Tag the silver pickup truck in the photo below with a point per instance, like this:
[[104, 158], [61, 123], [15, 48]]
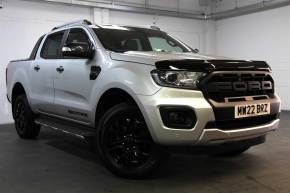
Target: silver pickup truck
[[139, 92]]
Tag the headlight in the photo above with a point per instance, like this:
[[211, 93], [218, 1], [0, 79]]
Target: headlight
[[177, 79]]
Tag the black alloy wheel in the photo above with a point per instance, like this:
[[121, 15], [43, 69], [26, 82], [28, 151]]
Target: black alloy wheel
[[24, 119], [125, 144], [19, 116]]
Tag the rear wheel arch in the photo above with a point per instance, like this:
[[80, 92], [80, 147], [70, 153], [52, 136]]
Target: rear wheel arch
[[18, 89], [24, 118]]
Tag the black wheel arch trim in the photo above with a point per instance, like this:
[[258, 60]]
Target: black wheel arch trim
[[132, 98]]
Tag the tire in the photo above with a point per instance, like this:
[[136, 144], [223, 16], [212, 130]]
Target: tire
[[233, 152], [125, 145], [24, 118]]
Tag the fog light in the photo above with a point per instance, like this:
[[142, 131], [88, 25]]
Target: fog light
[[178, 117]]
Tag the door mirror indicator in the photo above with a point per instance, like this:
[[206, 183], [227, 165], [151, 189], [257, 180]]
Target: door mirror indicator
[[78, 50]]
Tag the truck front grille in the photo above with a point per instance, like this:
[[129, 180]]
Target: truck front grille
[[221, 85], [225, 89]]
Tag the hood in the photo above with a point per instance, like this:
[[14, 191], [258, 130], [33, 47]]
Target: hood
[[188, 61], [153, 57]]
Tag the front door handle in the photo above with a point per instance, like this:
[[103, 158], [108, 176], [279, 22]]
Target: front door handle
[[60, 69], [36, 68]]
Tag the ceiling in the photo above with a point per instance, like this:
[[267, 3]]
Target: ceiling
[[195, 9]]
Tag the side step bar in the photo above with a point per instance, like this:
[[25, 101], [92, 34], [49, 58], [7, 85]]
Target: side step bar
[[63, 126]]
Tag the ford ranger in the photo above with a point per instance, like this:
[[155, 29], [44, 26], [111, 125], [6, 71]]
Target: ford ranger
[[137, 90]]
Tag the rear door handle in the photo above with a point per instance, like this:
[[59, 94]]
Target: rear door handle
[[60, 69], [36, 68]]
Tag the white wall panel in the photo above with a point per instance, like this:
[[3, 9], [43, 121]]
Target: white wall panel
[[260, 36]]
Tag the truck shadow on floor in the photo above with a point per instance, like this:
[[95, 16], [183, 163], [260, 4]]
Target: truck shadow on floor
[[179, 166]]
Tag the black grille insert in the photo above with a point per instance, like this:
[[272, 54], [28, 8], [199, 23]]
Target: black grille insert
[[220, 85]]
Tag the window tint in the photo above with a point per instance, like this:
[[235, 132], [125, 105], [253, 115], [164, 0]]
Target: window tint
[[52, 45], [122, 39], [35, 49], [78, 36]]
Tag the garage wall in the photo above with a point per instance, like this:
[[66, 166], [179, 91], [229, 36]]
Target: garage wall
[[22, 22], [260, 36]]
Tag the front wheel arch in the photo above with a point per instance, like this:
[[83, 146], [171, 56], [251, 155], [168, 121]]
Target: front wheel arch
[[110, 98], [117, 95]]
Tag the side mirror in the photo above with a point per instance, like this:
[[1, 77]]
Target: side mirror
[[196, 50], [78, 50]]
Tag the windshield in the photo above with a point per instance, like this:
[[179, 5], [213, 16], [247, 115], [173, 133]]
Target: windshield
[[122, 39]]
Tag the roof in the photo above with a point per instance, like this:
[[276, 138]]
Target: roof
[[88, 23]]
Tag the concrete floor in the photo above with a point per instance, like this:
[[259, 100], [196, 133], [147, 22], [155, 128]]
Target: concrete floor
[[56, 163]]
